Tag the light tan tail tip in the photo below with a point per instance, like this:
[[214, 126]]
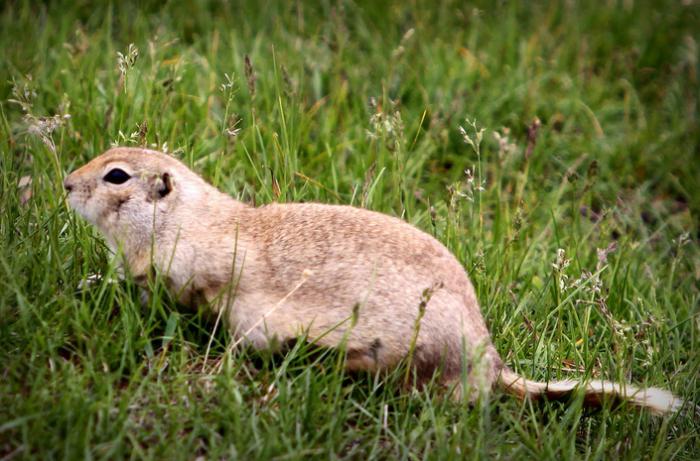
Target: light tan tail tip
[[658, 401]]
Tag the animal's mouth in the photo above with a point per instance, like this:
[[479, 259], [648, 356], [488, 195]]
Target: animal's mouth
[[72, 198], [76, 202], [70, 201]]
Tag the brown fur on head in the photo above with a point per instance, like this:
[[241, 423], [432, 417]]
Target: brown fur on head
[[112, 192], [152, 210]]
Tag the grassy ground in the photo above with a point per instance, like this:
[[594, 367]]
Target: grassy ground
[[581, 235]]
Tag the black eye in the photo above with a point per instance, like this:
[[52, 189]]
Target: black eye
[[117, 176]]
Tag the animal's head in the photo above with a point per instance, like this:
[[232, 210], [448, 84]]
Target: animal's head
[[129, 192]]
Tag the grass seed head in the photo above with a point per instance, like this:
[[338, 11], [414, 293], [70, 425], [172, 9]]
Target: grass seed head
[[250, 76], [125, 62], [23, 94]]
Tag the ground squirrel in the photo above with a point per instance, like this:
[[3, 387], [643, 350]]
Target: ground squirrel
[[344, 276]]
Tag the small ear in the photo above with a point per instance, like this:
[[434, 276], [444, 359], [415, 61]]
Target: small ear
[[161, 186]]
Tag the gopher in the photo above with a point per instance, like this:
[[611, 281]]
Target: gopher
[[345, 277]]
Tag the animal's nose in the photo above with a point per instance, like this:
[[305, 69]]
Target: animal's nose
[[68, 185]]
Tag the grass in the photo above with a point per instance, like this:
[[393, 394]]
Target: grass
[[356, 103]]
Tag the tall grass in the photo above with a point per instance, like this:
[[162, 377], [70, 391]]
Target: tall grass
[[553, 147]]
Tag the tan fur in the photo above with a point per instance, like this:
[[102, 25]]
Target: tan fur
[[357, 278], [658, 401]]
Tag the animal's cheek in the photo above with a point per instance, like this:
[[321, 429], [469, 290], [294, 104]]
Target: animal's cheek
[[107, 207], [90, 211], [119, 204], [130, 209]]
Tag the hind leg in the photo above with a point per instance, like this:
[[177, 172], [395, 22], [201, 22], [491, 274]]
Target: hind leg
[[473, 377]]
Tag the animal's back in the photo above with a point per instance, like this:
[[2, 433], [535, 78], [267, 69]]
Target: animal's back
[[375, 282]]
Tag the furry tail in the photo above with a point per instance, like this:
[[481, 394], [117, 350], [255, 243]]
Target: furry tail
[[658, 401]]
